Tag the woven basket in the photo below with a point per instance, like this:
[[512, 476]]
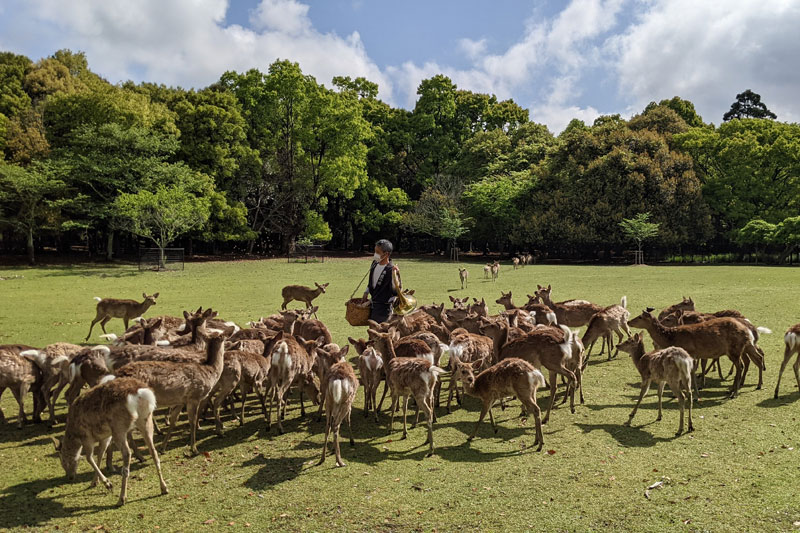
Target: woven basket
[[357, 312]]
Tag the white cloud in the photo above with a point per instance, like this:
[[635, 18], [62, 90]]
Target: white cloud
[[471, 48], [186, 42], [707, 52]]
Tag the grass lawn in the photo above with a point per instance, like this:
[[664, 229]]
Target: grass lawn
[[737, 471]]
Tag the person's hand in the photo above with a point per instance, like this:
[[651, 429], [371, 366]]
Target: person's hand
[[364, 299]]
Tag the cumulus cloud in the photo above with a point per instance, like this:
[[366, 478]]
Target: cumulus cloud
[[707, 52], [187, 43]]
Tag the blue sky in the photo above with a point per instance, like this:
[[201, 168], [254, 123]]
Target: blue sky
[[562, 60]]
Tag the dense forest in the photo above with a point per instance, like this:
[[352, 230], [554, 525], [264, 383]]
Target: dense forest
[[260, 161]]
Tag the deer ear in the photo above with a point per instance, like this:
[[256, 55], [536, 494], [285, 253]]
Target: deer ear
[[344, 351], [549, 288], [157, 322], [144, 295], [539, 286], [186, 315], [155, 295]]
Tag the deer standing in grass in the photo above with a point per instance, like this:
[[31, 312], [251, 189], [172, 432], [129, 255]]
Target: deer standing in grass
[[495, 270], [109, 411], [487, 269], [302, 293], [20, 375], [508, 377], [108, 308], [671, 365], [339, 388], [792, 341], [515, 262], [463, 275]]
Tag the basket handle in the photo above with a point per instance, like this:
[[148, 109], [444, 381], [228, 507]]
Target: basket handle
[[359, 285]]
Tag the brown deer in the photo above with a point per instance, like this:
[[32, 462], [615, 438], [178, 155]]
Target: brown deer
[[495, 270], [707, 340], [302, 293], [407, 376], [108, 308], [370, 369], [183, 383], [463, 276], [686, 304], [339, 388], [21, 375], [792, 342], [612, 319], [487, 269], [109, 411], [459, 303], [508, 377], [515, 262], [467, 348], [572, 313], [671, 365], [291, 360]]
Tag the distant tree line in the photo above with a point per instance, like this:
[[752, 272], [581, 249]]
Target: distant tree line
[[258, 161]]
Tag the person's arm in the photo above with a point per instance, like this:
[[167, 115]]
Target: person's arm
[[399, 286]]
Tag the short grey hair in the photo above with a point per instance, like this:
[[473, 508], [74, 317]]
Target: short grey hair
[[385, 245]]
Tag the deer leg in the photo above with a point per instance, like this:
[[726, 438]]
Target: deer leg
[[553, 385], [89, 449], [174, 412], [135, 449], [484, 409], [2, 415], [645, 388], [193, 411], [688, 395], [336, 449], [19, 395], [797, 370], [244, 389], [678, 393], [104, 322], [533, 408], [350, 429], [281, 408], [325, 444], [372, 401], [660, 395], [405, 412], [146, 429], [380, 404], [303, 407], [122, 443], [737, 379], [91, 327], [428, 406], [393, 408]]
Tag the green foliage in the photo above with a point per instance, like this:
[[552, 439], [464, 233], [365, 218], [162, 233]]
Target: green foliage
[[757, 232], [684, 109], [748, 105], [13, 97], [316, 229], [162, 215], [639, 228]]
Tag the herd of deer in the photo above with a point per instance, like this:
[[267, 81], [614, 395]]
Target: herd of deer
[[197, 361]]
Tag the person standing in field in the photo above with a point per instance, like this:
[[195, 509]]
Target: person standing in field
[[381, 285]]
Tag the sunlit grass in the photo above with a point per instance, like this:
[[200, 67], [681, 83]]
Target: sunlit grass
[[737, 471]]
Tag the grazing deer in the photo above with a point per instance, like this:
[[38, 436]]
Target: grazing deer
[[339, 388], [604, 323], [495, 270], [508, 377], [792, 342], [671, 365], [572, 313], [301, 293], [463, 274], [108, 308], [109, 411]]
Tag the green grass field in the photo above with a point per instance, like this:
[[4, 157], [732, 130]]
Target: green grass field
[[735, 472]]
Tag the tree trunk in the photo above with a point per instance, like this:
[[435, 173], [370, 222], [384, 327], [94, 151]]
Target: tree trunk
[[31, 258], [110, 245]]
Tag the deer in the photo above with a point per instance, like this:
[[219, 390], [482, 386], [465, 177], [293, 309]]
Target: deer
[[463, 275], [604, 323], [302, 293], [792, 341], [510, 376], [515, 262], [459, 303], [672, 365], [290, 359], [109, 411], [325, 358], [339, 388], [108, 308], [540, 313], [188, 383], [487, 269], [467, 348], [572, 313], [370, 369], [408, 376], [545, 348], [479, 308], [306, 327], [707, 340], [686, 304], [21, 375], [495, 270]]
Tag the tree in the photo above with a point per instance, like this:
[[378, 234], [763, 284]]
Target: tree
[[758, 233], [162, 216], [787, 233], [748, 105], [639, 229], [30, 200]]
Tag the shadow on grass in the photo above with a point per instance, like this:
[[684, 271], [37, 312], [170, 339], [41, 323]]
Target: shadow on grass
[[629, 436], [784, 399]]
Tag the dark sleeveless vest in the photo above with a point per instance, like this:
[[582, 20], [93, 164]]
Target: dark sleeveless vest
[[383, 291]]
